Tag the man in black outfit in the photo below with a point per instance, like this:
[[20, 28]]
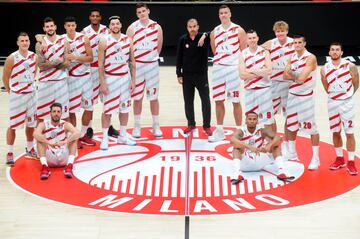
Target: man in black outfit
[[191, 70]]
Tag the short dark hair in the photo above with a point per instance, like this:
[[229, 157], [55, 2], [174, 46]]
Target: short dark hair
[[337, 44], [251, 31], [95, 10], [252, 112], [55, 104], [22, 34], [114, 18], [48, 19], [69, 19], [300, 36], [140, 5], [223, 6]]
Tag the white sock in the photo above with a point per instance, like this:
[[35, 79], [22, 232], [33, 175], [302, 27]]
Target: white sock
[[10, 148], [155, 119], [83, 130], [105, 134], [315, 150], [291, 146], [29, 145], [351, 155], [43, 161], [122, 130], [236, 168], [71, 159], [219, 127], [339, 152], [279, 161], [137, 119], [90, 124]]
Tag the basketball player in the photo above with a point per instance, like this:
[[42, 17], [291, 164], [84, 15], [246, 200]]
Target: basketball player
[[79, 82], [53, 64], [340, 79], [56, 143], [256, 149], [255, 69], [19, 81], [227, 40], [94, 31], [115, 57], [281, 48], [300, 71], [147, 37]]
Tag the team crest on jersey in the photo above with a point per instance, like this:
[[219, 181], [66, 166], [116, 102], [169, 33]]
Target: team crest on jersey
[[177, 175]]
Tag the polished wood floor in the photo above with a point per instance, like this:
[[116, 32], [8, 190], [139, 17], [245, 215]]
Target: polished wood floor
[[23, 216]]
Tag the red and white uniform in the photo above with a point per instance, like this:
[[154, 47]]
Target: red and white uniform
[[257, 91], [117, 75], [145, 43], [52, 85], [279, 55], [79, 82], [94, 38], [226, 81], [301, 105], [22, 102], [251, 161], [341, 106], [56, 157]]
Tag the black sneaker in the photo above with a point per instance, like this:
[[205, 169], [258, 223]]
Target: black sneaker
[[113, 132], [90, 132]]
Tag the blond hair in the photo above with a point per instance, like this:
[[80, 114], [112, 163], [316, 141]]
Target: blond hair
[[281, 25]]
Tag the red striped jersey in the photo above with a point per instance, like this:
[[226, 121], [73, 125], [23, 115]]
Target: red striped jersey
[[53, 133], [145, 41], [77, 47], [22, 76], [297, 64], [54, 52], [339, 80], [280, 55], [117, 55], [94, 38], [254, 139], [255, 60], [227, 45]]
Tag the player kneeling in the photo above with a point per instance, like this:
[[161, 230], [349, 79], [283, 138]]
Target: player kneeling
[[56, 143], [256, 149]]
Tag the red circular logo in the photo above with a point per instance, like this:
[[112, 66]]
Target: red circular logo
[[177, 175]]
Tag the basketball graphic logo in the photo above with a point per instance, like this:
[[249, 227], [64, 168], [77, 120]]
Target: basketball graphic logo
[[177, 175]]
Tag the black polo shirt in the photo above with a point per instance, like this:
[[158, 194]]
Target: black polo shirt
[[191, 58]]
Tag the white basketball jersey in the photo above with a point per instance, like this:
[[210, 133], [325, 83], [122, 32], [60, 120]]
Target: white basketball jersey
[[94, 38], [117, 55], [22, 76], [77, 47], [255, 60], [54, 52], [227, 45], [297, 64], [280, 55], [52, 133], [145, 41], [339, 80]]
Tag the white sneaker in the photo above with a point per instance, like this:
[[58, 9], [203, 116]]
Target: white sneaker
[[217, 136], [136, 133], [126, 140], [104, 145], [314, 164], [157, 131]]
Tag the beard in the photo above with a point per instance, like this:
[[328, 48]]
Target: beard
[[55, 119], [117, 31], [50, 33], [334, 58]]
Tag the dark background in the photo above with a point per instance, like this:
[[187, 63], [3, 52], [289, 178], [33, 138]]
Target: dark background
[[321, 23]]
